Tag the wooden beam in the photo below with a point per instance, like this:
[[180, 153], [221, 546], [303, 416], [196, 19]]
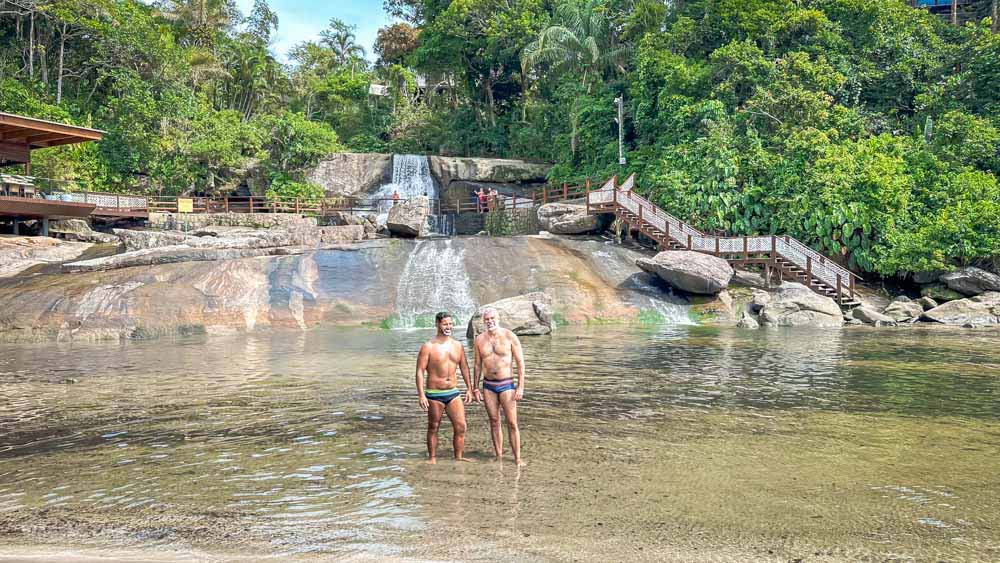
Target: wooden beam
[[14, 152], [40, 125]]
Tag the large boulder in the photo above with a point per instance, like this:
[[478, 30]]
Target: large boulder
[[567, 219], [79, 230], [349, 174], [980, 310], [141, 240], [747, 321], [794, 304], [940, 292], [871, 317], [529, 314], [495, 170], [902, 310], [408, 218], [300, 235], [971, 281], [341, 234], [693, 272], [342, 218], [927, 303]]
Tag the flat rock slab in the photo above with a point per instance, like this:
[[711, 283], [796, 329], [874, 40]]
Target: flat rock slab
[[980, 310], [693, 272]]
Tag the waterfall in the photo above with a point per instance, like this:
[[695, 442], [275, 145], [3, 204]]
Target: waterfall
[[434, 279], [411, 177]]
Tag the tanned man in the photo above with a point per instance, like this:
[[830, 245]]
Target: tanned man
[[440, 358], [496, 349]]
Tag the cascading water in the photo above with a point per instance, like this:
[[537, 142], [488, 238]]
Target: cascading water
[[411, 177], [434, 279]]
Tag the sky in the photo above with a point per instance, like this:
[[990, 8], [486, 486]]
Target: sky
[[302, 20]]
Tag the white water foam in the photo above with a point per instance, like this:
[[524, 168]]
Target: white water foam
[[411, 177], [433, 280]]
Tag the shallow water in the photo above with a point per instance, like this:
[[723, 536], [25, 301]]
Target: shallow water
[[673, 443]]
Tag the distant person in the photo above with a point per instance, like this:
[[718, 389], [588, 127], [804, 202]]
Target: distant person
[[495, 349], [481, 199], [493, 199], [395, 197], [439, 358]]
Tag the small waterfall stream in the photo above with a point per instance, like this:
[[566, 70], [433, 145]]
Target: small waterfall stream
[[411, 177], [434, 279]]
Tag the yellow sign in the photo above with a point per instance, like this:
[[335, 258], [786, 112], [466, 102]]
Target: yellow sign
[[185, 205]]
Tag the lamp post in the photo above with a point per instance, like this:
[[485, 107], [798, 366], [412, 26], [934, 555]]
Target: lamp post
[[620, 100]]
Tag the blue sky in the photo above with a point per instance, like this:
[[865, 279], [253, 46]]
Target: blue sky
[[302, 20]]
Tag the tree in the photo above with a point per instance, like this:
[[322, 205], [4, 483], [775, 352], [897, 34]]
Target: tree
[[340, 38], [395, 42]]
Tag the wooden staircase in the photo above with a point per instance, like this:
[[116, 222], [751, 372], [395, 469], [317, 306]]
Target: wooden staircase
[[782, 257]]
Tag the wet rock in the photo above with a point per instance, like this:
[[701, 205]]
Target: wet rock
[[904, 310], [853, 322], [80, 231], [927, 303], [870, 316], [981, 310], [407, 219], [794, 304], [971, 281], [567, 219], [693, 272], [940, 292], [746, 321], [494, 170], [20, 253], [880, 324], [341, 234], [190, 222], [172, 255], [293, 235], [926, 277], [142, 240], [971, 325], [529, 314]]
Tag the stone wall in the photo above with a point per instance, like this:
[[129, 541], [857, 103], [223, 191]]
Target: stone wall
[[193, 221], [348, 174], [447, 169]]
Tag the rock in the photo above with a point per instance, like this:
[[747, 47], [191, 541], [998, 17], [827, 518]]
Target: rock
[[341, 234], [794, 304], [142, 240], [971, 281], [870, 316], [408, 218], [880, 324], [746, 321], [294, 235], [926, 277], [190, 222], [904, 310], [340, 218], [567, 219], [495, 170], [853, 322], [528, 314], [172, 255], [689, 271], [970, 325], [901, 299], [940, 292], [80, 231], [349, 174], [20, 253], [980, 310], [927, 303], [759, 298]]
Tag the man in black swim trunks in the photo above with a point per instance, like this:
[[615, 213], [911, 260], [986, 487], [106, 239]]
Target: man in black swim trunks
[[439, 358]]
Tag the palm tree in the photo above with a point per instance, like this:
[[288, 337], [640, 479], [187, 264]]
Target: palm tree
[[200, 20], [340, 38], [582, 40]]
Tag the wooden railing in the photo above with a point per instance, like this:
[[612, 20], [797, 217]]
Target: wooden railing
[[784, 254]]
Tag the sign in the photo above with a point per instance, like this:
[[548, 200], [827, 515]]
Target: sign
[[185, 205]]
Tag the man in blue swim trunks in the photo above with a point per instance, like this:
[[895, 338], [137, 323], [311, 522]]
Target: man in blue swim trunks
[[440, 358], [495, 350]]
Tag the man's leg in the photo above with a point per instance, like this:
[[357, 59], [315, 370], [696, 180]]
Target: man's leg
[[456, 413], [513, 432], [493, 410], [434, 411]]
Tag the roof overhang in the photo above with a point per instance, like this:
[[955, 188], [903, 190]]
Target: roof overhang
[[20, 135]]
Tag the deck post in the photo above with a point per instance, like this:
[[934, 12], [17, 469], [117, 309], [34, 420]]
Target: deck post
[[774, 247], [852, 287], [565, 191], [588, 196], [840, 292], [717, 253], [746, 249], [640, 217], [689, 243], [296, 205], [16, 232], [251, 204], [118, 201], [809, 271], [225, 201], [545, 195], [45, 226], [667, 238]]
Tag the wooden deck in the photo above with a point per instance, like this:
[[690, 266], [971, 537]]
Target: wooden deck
[[34, 208]]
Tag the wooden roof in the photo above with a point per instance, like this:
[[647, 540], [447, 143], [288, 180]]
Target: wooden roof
[[20, 135]]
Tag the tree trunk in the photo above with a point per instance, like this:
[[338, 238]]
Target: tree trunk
[[954, 12], [996, 16], [31, 47], [62, 52], [491, 101]]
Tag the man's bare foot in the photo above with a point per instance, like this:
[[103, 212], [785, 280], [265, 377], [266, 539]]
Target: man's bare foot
[[520, 462], [432, 461], [465, 459], [498, 459]]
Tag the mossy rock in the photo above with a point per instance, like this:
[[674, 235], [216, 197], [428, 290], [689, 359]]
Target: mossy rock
[[940, 293]]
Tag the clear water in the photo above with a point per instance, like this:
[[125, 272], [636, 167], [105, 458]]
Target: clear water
[[674, 443]]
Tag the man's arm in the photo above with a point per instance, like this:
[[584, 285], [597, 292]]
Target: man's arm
[[515, 345], [463, 365], [421, 368], [477, 364]]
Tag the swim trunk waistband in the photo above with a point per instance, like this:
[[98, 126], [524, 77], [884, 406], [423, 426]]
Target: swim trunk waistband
[[443, 396], [499, 385]]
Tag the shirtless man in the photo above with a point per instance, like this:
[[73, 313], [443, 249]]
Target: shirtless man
[[439, 358], [495, 350]]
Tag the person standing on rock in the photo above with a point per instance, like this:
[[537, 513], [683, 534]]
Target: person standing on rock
[[439, 358], [495, 350]]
